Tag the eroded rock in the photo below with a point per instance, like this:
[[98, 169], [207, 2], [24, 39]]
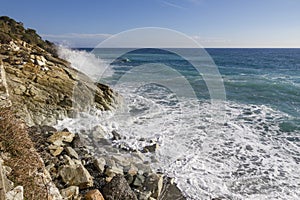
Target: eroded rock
[[118, 189], [76, 175]]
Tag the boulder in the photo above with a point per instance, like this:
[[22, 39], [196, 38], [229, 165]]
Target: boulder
[[112, 171], [118, 189], [55, 150], [76, 175], [93, 195], [71, 152], [70, 193], [100, 163], [151, 148], [154, 184], [59, 138]]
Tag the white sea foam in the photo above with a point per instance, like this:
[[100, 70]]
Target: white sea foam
[[244, 157], [86, 62]]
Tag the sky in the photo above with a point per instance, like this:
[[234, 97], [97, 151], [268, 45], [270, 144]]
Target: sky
[[212, 23]]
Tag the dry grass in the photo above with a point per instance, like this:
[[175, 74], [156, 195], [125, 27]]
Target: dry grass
[[23, 159]]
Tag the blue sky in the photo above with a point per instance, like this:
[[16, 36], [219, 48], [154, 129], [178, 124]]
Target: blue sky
[[213, 23]]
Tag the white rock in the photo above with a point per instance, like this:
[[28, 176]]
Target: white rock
[[15, 194]]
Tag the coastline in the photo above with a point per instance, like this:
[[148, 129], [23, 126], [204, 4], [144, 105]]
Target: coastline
[[41, 88]]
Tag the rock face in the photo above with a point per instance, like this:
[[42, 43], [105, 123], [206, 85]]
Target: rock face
[[42, 87]]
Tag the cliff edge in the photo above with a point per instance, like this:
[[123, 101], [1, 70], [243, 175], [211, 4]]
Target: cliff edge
[[42, 87]]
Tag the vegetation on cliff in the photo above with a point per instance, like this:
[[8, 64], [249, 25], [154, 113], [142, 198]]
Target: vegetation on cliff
[[12, 30]]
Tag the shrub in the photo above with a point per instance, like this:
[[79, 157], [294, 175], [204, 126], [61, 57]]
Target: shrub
[[23, 159]]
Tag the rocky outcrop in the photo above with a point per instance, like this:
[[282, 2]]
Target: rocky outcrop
[[42, 87], [4, 95]]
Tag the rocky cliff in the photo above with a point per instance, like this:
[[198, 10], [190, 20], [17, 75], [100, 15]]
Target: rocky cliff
[[39, 162], [42, 87]]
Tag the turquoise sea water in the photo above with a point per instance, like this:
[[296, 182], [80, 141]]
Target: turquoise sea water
[[251, 152], [252, 76]]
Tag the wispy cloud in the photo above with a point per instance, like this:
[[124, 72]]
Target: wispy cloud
[[173, 5], [195, 1]]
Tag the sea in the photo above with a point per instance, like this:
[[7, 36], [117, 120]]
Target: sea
[[227, 121]]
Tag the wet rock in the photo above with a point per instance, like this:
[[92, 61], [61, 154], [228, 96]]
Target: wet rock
[[70, 193], [15, 194], [93, 195], [100, 163], [116, 135], [59, 138], [118, 189], [138, 181], [144, 195], [132, 170], [112, 171], [76, 175], [98, 133], [249, 148], [121, 160], [150, 148], [154, 184], [170, 191], [129, 178], [71, 152]]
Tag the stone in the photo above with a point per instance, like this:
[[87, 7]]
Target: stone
[[132, 170], [100, 163], [144, 195], [154, 184], [71, 152], [70, 193], [15, 194], [112, 171], [76, 175], [150, 148], [55, 150], [121, 160], [93, 195], [98, 133], [118, 189], [138, 181], [171, 191], [40, 63], [59, 138], [116, 135]]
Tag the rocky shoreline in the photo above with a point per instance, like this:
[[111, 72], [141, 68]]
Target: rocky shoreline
[[39, 88]]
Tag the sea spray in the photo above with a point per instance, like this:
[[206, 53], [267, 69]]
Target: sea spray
[[86, 62], [246, 157]]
